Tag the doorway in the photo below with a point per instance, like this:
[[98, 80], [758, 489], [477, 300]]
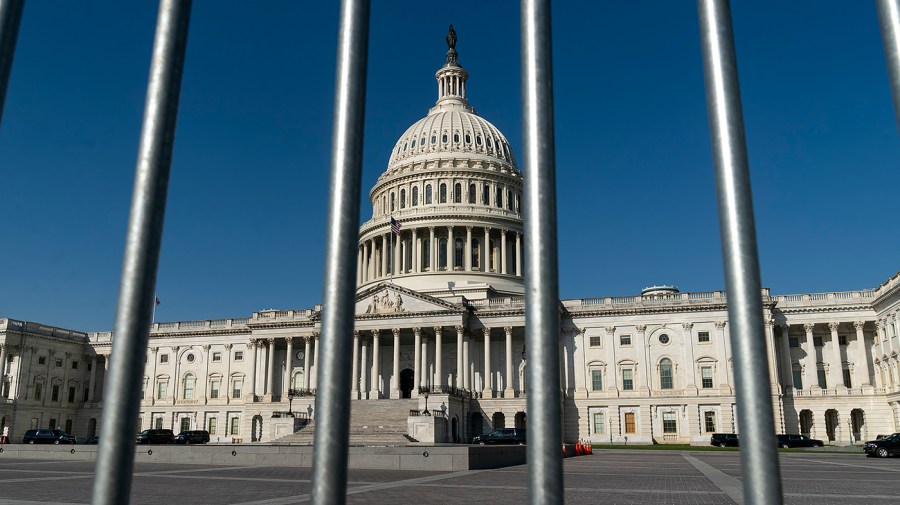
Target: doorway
[[407, 379], [454, 429]]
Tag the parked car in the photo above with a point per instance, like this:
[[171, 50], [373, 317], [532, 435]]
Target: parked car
[[192, 437], [92, 441], [789, 441], [155, 437], [724, 440], [47, 437], [510, 436], [887, 446]]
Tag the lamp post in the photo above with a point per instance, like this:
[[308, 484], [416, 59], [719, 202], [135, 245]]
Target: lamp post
[[290, 394], [425, 412]]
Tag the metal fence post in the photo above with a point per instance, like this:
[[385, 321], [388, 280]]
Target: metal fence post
[[10, 17], [329, 476], [115, 460], [889, 20], [545, 476], [759, 455]]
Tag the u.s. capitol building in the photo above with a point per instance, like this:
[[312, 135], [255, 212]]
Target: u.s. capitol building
[[440, 309]]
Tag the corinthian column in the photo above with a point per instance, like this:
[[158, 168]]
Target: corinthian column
[[503, 251], [862, 369], [270, 366], [488, 389], [438, 343], [508, 392], [459, 357], [519, 254], [375, 392], [836, 370], [811, 378], [486, 260], [417, 362], [467, 253], [288, 366], [253, 368], [395, 380], [354, 381], [786, 365]]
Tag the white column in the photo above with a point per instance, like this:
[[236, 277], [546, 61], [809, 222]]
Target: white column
[[364, 273], [253, 359], [93, 384], [503, 251], [467, 253], [270, 365], [613, 372], [417, 362], [722, 366], [486, 256], [314, 379], [363, 368], [459, 357], [385, 245], [862, 369], [467, 377], [810, 374], [770, 351], [307, 380], [354, 381], [488, 389], [416, 253], [787, 367], [288, 366], [397, 255], [3, 362], [427, 380], [438, 357], [431, 248], [508, 391], [690, 369], [359, 265], [375, 391], [450, 256], [519, 254], [227, 379], [836, 369], [395, 380]]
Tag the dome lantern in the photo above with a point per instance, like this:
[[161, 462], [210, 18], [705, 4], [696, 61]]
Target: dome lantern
[[452, 77]]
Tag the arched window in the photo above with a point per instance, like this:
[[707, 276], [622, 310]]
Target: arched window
[[426, 252], [471, 193], [509, 202], [476, 254], [519, 202], [402, 198], [665, 374], [442, 253], [458, 257], [498, 201], [442, 194], [415, 196], [428, 194], [188, 391], [492, 260], [393, 202], [384, 204], [486, 194], [457, 193], [298, 382]]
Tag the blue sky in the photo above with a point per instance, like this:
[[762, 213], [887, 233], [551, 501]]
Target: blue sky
[[246, 211]]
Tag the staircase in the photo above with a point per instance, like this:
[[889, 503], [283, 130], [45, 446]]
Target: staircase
[[372, 423]]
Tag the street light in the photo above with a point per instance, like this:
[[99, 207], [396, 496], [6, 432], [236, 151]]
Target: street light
[[291, 393], [425, 412]]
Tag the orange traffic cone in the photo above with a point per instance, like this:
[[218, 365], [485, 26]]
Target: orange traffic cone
[[564, 449]]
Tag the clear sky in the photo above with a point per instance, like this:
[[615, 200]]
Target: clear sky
[[246, 212]]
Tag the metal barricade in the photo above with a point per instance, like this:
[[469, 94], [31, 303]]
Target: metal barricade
[[10, 17]]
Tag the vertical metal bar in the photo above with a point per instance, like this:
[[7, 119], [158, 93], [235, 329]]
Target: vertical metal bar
[[10, 17], [759, 456], [329, 477], [889, 20], [115, 461], [545, 477]]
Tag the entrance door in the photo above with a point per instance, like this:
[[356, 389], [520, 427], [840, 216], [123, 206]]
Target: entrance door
[[185, 423], [629, 422], [406, 383], [454, 429]]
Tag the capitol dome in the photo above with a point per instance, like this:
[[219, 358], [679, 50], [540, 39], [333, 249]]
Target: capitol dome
[[454, 192]]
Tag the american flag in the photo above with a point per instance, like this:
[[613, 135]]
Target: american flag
[[395, 226]]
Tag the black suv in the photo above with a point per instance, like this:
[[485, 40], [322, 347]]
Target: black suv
[[887, 446], [47, 437], [789, 441], [512, 436], [724, 440], [192, 437], [155, 437]]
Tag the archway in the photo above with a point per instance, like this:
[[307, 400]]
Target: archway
[[858, 424], [498, 420], [806, 422], [256, 432], [407, 377], [477, 423], [831, 424], [520, 420], [92, 427], [454, 429]]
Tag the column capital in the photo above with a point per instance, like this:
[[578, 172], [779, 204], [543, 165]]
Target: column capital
[[859, 325], [610, 330], [687, 326], [271, 341], [437, 329], [315, 335], [469, 229], [395, 331], [460, 328], [417, 331], [833, 326], [641, 328], [809, 327], [487, 331], [508, 330], [227, 346], [720, 324], [252, 342], [376, 333], [154, 349], [206, 347], [770, 323], [431, 229], [289, 340], [878, 324]]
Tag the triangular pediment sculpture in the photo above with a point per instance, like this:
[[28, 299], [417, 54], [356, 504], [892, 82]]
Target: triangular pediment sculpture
[[390, 299]]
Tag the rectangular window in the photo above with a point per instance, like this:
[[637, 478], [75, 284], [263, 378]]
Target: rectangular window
[[624, 339], [54, 393], [629, 422], [669, 423], [217, 356], [163, 358], [596, 380], [38, 390], [158, 423], [599, 423], [59, 362], [214, 388], [665, 377], [74, 365], [842, 339], [702, 336], [627, 379], [706, 378], [817, 341], [235, 425], [798, 379], [211, 425], [87, 393], [71, 394], [89, 366], [161, 390], [793, 341], [238, 355], [236, 388], [847, 382], [185, 423], [596, 341], [34, 423], [823, 380], [709, 421], [42, 360]]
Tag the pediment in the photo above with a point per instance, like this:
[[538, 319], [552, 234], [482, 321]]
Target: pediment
[[391, 299]]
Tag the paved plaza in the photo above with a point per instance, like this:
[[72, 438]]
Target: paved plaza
[[607, 477]]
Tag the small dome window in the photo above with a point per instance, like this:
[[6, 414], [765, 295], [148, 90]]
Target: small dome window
[[422, 142], [404, 147], [489, 144], [456, 138], [444, 138], [664, 339], [478, 140], [468, 139], [413, 144], [434, 139]]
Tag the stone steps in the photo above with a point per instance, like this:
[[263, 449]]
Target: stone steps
[[372, 423]]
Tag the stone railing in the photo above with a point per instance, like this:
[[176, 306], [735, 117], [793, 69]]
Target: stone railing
[[834, 297], [509, 301], [42, 329]]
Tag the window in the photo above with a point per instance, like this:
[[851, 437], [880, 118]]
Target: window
[[842, 339], [298, 382], [442, 193], [88, 365], [428, 194], [472, 193], [669, 423], [456, 138], [468, 139], [158, 423], [214, 388], [628, 379], [188, 393], [216, 357], [599, 423], [59, 362], [42, 360], [239, 355], [54, 393], [509, 201], [236, 388], [793, 341], [426, 252], [185, 423], [415, 196], [478, 139], [163, 358], [624, 339], [798, 379], [498, 201], [823, 379], [434, 139], [71, 394], [706, 378], [847, 382], [457, 193], [143, 390], [458, 257], [702, 336], [476, 254], [597, 380], [393, 201], [402, 198], [161, 390], [235, 425], [665, 374], [596, 341], [664, 339], [75, 364], [486, 195], [629, 422], [38, 390], [817, 341], [442, 253], [52, 424], [190, 357], [709, 421], [211, 425]]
